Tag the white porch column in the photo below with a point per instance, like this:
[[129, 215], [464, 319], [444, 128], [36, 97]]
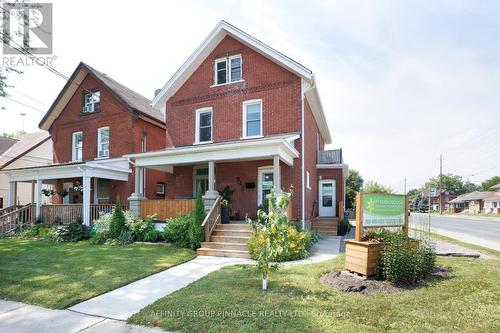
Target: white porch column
[[96, 187], [138, 195], [86, 199], [38, 198], [277, 174], [11, 194], [211, 176], [211, 194]]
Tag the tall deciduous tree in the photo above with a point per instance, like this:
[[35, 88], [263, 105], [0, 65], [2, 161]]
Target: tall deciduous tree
[[353, 184], [449, 182], [487, 184], [374, 187]]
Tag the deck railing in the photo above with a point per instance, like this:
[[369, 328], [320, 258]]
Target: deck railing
[[8, 209], [212, 219], [166, 209], [71, 213], [330, 156], [17, 218]]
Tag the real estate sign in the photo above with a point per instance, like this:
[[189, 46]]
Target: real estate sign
[[383, 210]]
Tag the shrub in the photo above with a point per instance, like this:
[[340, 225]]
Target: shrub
[[35, 231], [118, 221], [140, 228], [68, 233], [153, 236], [405, 260], [185, 231], [176, 230]]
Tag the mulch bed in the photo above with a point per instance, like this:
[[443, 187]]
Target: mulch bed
[[347, 282]]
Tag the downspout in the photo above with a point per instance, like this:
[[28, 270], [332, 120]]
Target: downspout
[[302, 148]]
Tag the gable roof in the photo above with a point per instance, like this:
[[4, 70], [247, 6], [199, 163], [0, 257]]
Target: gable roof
[[129, 98], [6, 143], [25, 144], [223, 29], [496, 187]]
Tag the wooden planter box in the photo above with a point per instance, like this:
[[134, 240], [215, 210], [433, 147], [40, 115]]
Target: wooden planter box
[[362, 257]]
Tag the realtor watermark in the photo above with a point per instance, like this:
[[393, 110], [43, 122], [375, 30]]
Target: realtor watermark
[[200, 313], [27, 33]]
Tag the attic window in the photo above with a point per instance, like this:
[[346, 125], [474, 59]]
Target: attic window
[[228, 69], [91, 102]]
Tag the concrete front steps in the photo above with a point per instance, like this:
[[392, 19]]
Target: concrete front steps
[[326, 226], [227, 240]]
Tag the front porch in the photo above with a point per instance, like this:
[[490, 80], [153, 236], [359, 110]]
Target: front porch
[[248, 170], [80, 190]]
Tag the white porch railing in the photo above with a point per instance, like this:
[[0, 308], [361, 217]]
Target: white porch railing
[[17, 218]]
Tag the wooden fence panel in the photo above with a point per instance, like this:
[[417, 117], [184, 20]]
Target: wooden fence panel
[[165, 209], [62, 213]]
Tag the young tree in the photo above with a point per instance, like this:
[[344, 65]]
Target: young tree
[[353, 185], [374, 187], [118, 221], [414, 192], [271, 228], [487, 184]]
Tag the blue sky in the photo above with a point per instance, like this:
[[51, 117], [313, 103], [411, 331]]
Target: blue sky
[[400, 81]]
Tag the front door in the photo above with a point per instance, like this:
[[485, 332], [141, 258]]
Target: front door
[[327, 198], [266, 183]]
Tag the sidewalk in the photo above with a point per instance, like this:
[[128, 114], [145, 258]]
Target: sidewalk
[[23, 318]]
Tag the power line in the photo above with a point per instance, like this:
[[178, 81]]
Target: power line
[[23, 104]]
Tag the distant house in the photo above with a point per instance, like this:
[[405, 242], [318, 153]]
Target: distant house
[[496, 187], [27, 150], [473, 202], [442, 197], [492, 203]]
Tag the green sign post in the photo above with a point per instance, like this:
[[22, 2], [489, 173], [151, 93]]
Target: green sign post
[[374, 210]]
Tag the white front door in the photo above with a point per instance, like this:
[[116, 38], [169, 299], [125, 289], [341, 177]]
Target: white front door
[[327, 198]]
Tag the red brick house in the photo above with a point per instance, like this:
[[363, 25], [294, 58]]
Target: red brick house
[[93, 122], [240, 114]]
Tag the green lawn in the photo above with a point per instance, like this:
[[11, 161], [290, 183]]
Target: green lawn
[[60, 275], [297, 302]]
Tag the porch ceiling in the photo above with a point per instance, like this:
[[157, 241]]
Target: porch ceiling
[[265, 148], [116, 169]]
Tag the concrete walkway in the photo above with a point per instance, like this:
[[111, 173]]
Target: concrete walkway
[[123, 302], [23, 318]]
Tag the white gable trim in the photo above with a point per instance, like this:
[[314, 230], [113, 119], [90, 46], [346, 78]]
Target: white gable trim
[[208, 45]]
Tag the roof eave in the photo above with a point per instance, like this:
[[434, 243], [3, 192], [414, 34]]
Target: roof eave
[[314, 100]]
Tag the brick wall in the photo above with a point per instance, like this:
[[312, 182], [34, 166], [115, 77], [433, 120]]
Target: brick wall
[[125, 128], [278, 88]]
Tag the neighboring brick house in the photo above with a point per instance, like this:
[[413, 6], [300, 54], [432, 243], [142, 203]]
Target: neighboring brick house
[[441, 198], [93, 122], [240, 114]]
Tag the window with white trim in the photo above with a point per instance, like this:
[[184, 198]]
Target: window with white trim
[[203, 125], [308, 180], [228, 69], [252, 118], [77, 146], [103, 142], [91, 102], [160, 188]]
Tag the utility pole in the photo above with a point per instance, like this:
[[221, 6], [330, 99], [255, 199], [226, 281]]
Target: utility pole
[[440, 183], [404, 189]]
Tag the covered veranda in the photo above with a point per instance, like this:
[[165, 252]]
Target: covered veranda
[[111, 169], [251, 167]]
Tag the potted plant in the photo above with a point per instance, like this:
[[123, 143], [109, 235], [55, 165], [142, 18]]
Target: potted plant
[[224, 211], [225, 193]]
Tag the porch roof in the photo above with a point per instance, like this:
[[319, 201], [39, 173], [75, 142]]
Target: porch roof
[[115, 168], [240, 150]]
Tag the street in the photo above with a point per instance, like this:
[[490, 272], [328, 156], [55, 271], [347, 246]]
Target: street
[[483, 231]]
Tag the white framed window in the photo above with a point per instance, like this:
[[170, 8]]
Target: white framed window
[[228, 69], [252, 118], [203, 125], [77, 146], [160, 188], [308, 180], [103, 142], [91, 102]]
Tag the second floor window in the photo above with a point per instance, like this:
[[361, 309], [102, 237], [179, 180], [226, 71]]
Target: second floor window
[[203, 125], [252, 118], [91, 102], [77, 146], [228, 69], [103, 142]]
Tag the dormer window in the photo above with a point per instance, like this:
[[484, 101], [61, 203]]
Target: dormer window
[[91, 102], [228, 70]]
